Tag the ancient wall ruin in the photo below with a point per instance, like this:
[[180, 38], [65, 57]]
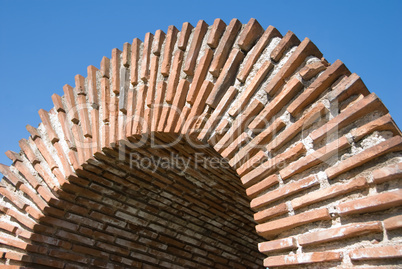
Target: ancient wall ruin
[[222, 146]]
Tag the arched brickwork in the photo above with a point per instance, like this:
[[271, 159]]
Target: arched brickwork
[[128, 169]]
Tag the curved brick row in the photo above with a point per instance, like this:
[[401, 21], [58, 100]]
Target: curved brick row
[[159, 158]]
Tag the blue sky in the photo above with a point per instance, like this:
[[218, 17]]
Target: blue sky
[[44, 43]]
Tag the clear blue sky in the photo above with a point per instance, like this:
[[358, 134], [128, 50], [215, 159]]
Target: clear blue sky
[[44, 43]]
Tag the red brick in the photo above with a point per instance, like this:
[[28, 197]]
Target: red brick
[[270, 33], [329, 192], [184, 35], [311, 70], [177, 105], [381, 124], [235, 145], [284, 191], [218, 112], [275, 227], [70, 103], [251, 89], [391, 172], [264, 184], [239, 124], [223, 49], [266, 214], [305, 49], [348, 86], [288, 41], [105, 99], [368, 104], [116, 70], [303, 258], [198, 106], [277, 245], [216, 33], [92, 89], [393, 223], [274, 106], [257, 142], [251, 32], [303, 123], [194, 49], [373, 253], [226, 78], [152, 80], [84, 116], [146, 54], [174, 76], [139, 109], [371, 203], [391, 145], [329, 76], [340, 233], [105, 67], [199, 76], [315, 158], [58, 103], [220, 130], [272, 165], [158, 41], [135, 57], [80, 85], [171, 38], [158, 105]]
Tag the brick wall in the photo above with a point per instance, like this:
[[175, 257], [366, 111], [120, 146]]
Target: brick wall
[[222, 146]]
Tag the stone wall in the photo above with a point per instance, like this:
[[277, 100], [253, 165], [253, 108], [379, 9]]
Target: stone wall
[[223, 146]]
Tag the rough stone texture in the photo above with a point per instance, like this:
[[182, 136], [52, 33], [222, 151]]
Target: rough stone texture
[[128, 171]]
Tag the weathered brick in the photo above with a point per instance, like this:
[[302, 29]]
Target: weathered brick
[[379, 252], [381, 124], [70, 103], [223, 49], [116, 70], [270, 33], [171, 38], [315, 158], [152, 80], [251, 32], [146, 54], [135, 56], [366, 105], [303, 258], [199, 76], [264, 184], [218, 112], [288, 41], [340, 233], [277, 245], [226, 78], [391, 145], [303, 123], [305, 49], [92, 89], [348, 86], [105, 67], [216, 33], [158, 41], [184, 35], [311, 70], [272, 165], [393, 223], [329, 76], [330, 192], [174, 76], [282, 192], [272, 108], [246, 95], [257, 143], [371, 203], [239, 124], [177, 106], [277, 226], [196, 42], [266, 214], [235, 145], [391, 172]]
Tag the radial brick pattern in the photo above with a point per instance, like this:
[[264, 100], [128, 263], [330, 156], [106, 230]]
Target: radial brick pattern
[[222, 146]]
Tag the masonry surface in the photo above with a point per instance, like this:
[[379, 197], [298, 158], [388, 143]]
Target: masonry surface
[[222, 146]]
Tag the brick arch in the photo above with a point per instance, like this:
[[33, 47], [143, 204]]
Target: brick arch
[[313, 160]]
